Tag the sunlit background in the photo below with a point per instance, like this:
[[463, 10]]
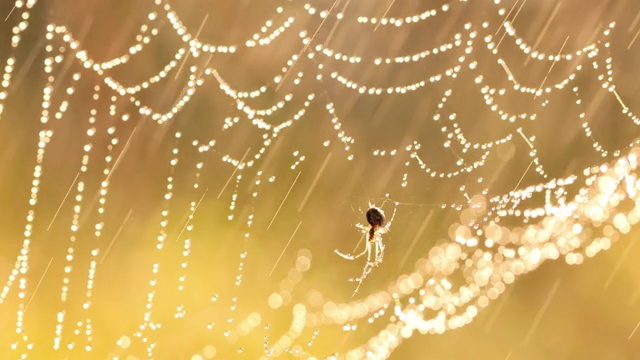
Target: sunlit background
[[176, 176]]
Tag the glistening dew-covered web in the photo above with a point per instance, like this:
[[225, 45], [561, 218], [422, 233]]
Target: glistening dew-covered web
[[324, 180]]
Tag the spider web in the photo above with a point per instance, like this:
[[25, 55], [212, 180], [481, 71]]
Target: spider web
[[178, 181]]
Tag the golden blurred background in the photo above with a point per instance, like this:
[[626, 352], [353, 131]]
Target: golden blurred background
[[273, 226]]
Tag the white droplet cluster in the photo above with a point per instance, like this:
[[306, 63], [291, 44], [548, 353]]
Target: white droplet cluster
[[149, 326]]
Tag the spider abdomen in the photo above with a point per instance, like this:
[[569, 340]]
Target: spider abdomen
[[375, 217]]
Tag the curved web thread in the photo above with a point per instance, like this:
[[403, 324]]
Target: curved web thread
[[428, 300]]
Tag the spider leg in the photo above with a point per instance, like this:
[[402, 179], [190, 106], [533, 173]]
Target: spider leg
[[353, 257], [365, 272], [379, 255], [379, 252], [388, 225]]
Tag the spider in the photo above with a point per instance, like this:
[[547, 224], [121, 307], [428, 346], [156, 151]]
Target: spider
[[376, 219]]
